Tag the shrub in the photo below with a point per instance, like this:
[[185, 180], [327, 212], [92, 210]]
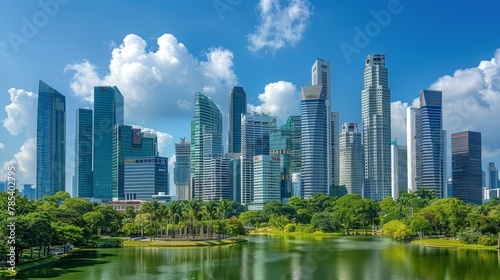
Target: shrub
[[307, 228], [487, 240], [290, 228], [469, 236]]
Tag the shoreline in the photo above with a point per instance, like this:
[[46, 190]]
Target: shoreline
[[191, 243], [451, 244]]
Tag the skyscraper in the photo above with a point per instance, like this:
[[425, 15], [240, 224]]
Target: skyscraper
[[314, 143], [207, 122], [266, 181], [182, 170], [294, 124], [51, 141], [466, 166], [83, 153], [108, 112], [255, 130], [352, 173], [414, 149], [376, 115], [237, 106], [492, 176], [145, 177], [279, 146], [129, 142], [399, 169], [334, 171]]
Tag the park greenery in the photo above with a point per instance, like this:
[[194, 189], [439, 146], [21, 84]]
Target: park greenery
[[60, 219]]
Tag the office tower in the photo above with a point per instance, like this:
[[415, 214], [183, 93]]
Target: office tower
[[255, 130], [29, 191], [279, 146], [108, 112], [376, 115], [83, 153], [50, 141], [237, 106], [207, 122], [235, 179], [3, 186], [294, 124], [334, 171], [216, 179], [145, 177], [266, 181], [129, 142], [182, 170], [426, 141], [352, 170], [399, 169], [296, 185], [314, 143], [466, 166], [492, 176]]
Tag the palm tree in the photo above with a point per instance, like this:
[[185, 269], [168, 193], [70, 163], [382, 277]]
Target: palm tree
[[193, 211], [224, 207], [209, 211], [175, 212]]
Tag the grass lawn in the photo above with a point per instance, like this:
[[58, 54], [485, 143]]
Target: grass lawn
[[452, 244], [182, 243]]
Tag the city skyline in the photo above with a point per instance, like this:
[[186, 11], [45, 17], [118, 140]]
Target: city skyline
[[80, 60]]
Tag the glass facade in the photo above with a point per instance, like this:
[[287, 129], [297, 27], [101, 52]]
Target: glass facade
[[351, 159], [376, 116], [51, 141], [108, 112], [83, 153], [266, 180], [182, 170], [492, 176], [279, 146], [293, 123], [237, 106], [207, 120], [314, 116], [466, 166], [235, 180], [145, 177]]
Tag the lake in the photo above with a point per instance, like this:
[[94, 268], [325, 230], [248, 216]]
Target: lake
[[276, 258]]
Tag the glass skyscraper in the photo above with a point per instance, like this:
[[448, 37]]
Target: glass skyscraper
[[207, 122], [466, 166], [108, 112], [376, 116], [237, 106], [279, 146], [294, 124], [314, 117], [182, 170], [351, 159], [83, 153], [399, 168], [145, 177], [51, 141]]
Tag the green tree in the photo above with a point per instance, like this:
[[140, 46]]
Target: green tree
[[324, 222], [95, 220], [235, 227], [420, 225], [252, 218], [396, 229], [279, 222], [224, 207], [80, 205]]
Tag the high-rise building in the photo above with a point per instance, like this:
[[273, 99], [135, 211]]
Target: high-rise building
[[296, 185], [399, 168], [235, 179], [129, 142], [237, 107], [314, 142], [182, 170], [83, 153], [352, 171], [207, 122], [266, 181], [29, 191], [294, 124], [216, 179], [376, 115], [145, 177], [426, 141], [334, 171], [50, 141], [466, 166], [279, 146], [492, 176], [108, 112], [255, 130]]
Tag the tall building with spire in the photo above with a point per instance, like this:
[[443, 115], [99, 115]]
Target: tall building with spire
[[51, 141], [108, 112], [376, 116], [237, 107]]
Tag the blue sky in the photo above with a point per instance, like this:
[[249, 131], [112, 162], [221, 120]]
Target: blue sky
[[266, 46]]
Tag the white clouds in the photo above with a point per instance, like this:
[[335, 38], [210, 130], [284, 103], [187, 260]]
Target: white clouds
[[280, 25], [25, 161], [471, 98], [21, 112], [2, 146], [158, 83], [164, 139], [280, 98]]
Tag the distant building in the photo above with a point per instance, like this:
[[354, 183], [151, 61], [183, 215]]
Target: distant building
[[235, 178], [182, 170], [399, 169], [237, 107], [266, 180], [296, 184], [145, 177], [108, 112], [466, 166], [83, 153], [293, 123], [51, 141], [279, 146], [3, 186], [29, 191], [492, 176], [121, 206], [351, 159]]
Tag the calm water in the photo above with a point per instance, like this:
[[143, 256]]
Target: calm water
[[276, 258]]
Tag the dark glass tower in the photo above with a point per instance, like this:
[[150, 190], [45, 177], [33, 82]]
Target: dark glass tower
[[466, 166], [237, 106], [108, 112], [83, 153], [51, 141]]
